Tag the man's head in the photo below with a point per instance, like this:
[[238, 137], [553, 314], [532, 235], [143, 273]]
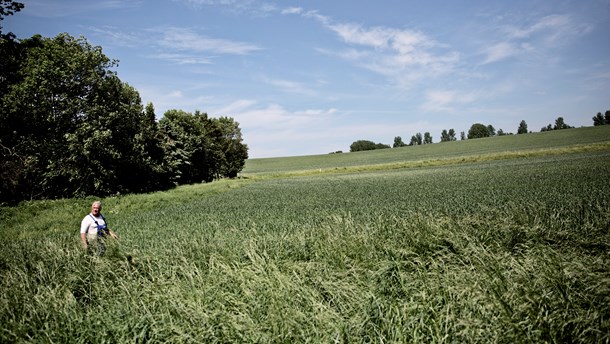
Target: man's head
[[96, 208]]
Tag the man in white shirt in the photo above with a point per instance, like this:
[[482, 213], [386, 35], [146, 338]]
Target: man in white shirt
[[93, 229]]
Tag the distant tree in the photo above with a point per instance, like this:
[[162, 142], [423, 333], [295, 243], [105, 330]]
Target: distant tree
[[427, 138], [413, 141], [452, 135], [381, 146], [547, 128], [522, 128], [419, 138], [560, 124], [478, 130], [599, 119], [501, 132], [462, 136], [491, 130], [364, 145], [444, 136], [398, 142]]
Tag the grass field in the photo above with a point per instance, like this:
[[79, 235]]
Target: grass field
[[496, 240]]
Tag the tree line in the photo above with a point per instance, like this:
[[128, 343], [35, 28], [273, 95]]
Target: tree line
[[70, 127], [477, 130]]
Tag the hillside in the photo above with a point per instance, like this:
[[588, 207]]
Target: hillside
[[549, 141]]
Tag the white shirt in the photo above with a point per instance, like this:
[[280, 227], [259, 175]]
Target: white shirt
[[89, 227]]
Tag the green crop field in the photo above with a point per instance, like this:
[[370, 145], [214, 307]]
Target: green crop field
[[504, 240]]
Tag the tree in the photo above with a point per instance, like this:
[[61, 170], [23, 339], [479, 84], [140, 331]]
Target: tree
[[427, 138], [462, 136], [522, 128], [233, 151], [600, 119], [187, 143], [478, 130], [362, 145], [452, 135], [447, 136], [8, 8], [491, 130], [62, 104], [560, 124], [398, 142]]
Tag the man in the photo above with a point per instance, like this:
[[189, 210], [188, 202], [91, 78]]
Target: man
[[93, 230]]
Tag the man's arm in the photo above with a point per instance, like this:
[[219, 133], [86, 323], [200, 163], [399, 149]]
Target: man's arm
[[83, 238], [111, 233]]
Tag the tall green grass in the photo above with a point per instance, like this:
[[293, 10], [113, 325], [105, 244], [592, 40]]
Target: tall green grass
[[510, 250]]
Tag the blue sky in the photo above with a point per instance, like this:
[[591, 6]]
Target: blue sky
[[312, 76]]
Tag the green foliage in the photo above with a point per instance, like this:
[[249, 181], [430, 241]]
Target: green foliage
[[522, 128], [427, 138], [70, 127], [559, 125], [7, 8], [478, 130], [439, 254], [200, 148], [600, 119], [365, 145], [447, 136], [398, 142]]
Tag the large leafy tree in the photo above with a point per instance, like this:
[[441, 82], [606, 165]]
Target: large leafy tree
[[234, 151], [187, 146], [199, 148], [68, 125]]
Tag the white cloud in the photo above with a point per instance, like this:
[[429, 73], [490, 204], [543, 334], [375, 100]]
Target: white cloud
[[292, 10], [403, 56], [499, 51], [64, 8], [544, 33], [187, 40], [446, 100], [183, 59], [290, 86]]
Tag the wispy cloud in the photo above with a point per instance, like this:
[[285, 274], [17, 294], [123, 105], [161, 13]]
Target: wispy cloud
[[446, 100], [292, 10], [401, 55], [184, 39], [63, 8], [542, 34], [290, 86], [183, 58]]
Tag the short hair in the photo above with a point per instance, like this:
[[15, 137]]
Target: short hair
[[98, 203]]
